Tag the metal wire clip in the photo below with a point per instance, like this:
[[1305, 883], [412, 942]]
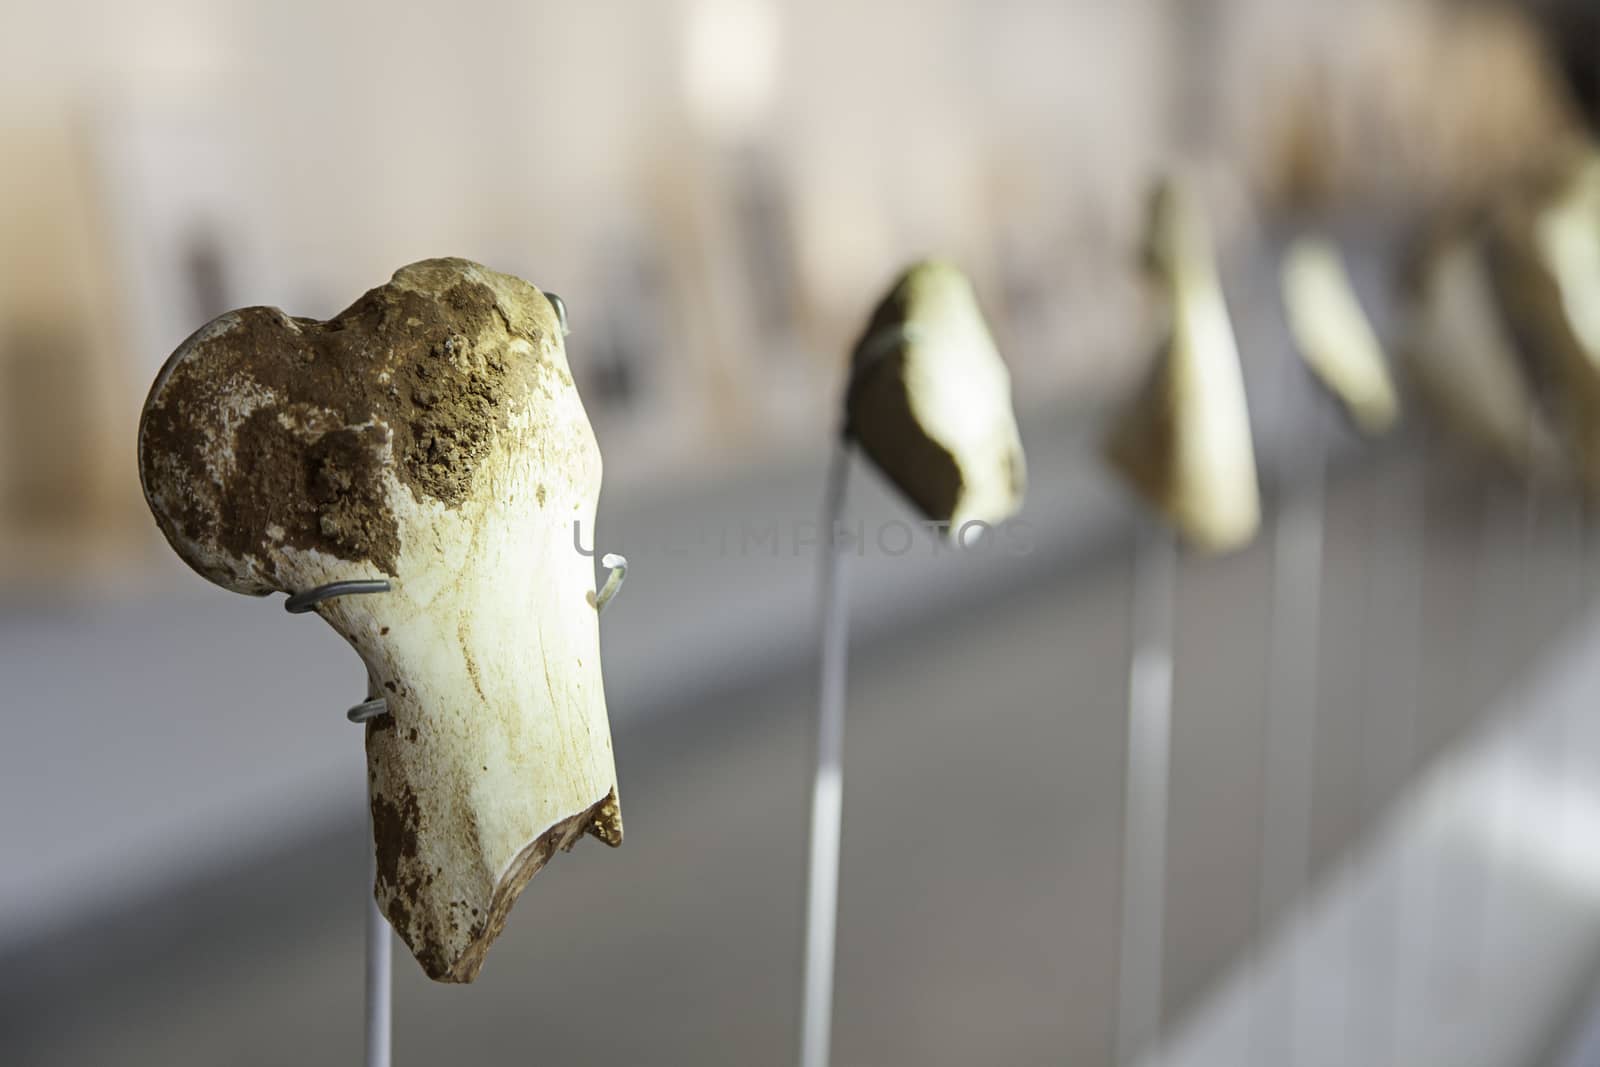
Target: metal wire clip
[[306, 601], [619, 571], [560, 307]]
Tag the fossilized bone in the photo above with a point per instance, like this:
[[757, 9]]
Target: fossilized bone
[[1185, 442], [430, 434], [930, 401], [1334, 335]]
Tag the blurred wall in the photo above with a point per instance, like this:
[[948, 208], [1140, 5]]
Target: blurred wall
[[719, 188]]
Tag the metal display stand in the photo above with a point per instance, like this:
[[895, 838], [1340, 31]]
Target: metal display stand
[[379, 963], [827, 787], [1289, 756], [1147, 786]]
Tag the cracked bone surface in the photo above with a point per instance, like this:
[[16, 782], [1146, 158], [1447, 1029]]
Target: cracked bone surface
[[1335, 337], [930, 401], [1185, 441], [429, 434]]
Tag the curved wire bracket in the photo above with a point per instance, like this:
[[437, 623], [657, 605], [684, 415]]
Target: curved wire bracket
[[619, 571], [560, 307], [303, 602], [307, 600], [368, 710]]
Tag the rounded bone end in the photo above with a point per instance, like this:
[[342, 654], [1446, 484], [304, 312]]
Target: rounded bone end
[[267, 437]]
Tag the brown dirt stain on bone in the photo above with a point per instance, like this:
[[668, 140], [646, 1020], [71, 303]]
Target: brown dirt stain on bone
[[463, 630], [428, 374], [880, 418], [326, 496], [394, 832]]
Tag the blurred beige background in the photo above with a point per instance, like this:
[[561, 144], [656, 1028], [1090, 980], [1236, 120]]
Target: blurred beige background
[[719, 189]]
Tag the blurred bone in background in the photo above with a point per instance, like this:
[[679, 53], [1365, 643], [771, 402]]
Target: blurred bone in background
[[714, 185], [719, 190]]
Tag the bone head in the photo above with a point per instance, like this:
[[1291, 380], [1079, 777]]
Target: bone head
[[1185, 442], [930, 401], [430, 434]]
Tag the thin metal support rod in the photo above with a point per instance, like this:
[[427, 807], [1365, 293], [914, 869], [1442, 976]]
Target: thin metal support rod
[[1289, 748], [1501, 602], [380, 946], [827, 790], [1147, 785], [1418, 892], [1392, 651], [379, 963]]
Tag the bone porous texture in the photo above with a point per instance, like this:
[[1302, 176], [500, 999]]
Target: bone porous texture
[[930, 401], [429, 434], [1184, 443]]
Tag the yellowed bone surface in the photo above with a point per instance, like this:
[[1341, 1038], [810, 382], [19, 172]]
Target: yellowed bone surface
[[1334, 335], [1545, 260], [430, 434], [1185, 442], [930, 401], [1465, 363]]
